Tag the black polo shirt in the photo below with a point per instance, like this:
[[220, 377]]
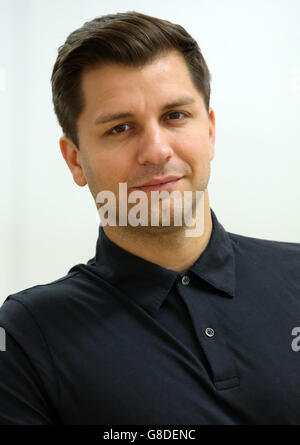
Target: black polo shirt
[[121, 340]]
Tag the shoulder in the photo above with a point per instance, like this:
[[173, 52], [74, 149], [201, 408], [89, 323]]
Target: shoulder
[[264, 244], [264, 251], [35, 302]]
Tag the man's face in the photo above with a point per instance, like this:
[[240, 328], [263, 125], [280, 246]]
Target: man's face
[[153, 138]]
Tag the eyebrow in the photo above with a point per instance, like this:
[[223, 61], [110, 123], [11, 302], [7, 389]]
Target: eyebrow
[[105, 118]]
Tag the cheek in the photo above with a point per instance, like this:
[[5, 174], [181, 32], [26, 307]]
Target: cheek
[[97, 174], [195, 150], [113, 170]]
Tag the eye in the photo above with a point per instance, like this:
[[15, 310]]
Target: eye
[[117, 129], [176, 113]]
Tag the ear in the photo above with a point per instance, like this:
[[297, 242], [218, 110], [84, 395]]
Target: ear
[[212, 132], [71, 155]]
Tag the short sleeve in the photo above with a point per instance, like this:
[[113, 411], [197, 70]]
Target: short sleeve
[[28, 387]]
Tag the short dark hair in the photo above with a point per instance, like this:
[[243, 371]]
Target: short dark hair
[[129, 38]]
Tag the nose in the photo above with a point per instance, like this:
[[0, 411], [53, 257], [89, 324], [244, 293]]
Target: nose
[[154, 146]]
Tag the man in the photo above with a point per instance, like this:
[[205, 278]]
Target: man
[[159, 327]]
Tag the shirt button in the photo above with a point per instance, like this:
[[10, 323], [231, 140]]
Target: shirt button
[[209, 332], [185, 280]]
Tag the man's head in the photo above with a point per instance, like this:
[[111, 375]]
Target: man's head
[[147, 71], [132, 39]]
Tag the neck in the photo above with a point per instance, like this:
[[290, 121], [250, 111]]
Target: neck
[[167, 248]]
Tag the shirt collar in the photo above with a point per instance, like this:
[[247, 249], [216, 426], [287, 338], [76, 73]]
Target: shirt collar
[[149, 284]]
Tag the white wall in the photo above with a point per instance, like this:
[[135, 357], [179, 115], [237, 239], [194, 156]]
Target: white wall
[[252, 48]]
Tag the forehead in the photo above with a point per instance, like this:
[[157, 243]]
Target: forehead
[[114, 84]]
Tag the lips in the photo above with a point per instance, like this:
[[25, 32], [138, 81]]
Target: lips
[[160, 180], [157, 184]]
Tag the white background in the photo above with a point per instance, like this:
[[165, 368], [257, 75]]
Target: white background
[[252, 48]]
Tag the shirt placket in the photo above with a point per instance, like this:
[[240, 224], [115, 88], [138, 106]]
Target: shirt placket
[[209, 333]]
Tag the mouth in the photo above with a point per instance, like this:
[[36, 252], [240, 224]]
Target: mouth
[[161, 186]]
